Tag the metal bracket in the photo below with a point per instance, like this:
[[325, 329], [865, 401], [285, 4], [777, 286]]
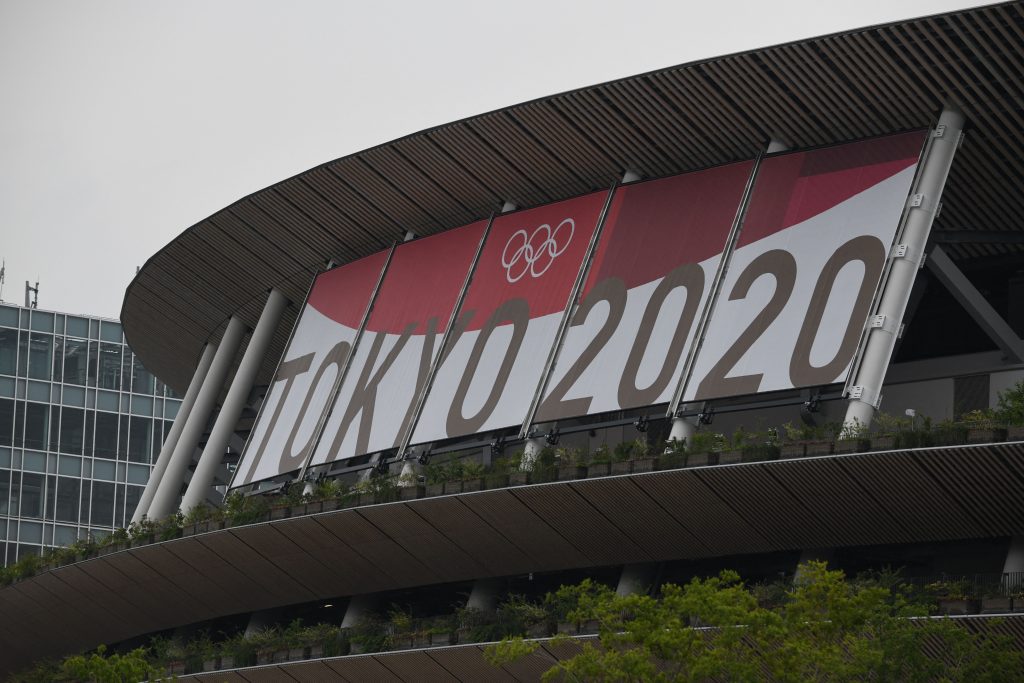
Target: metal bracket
[[938, 210], [641, 424], [899, 334], [917, 200], [552, 437], [924, 257], [878, 321], [856, 391], [900, 251], [940, 131]]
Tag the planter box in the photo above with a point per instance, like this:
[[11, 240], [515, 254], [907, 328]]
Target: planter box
[[496, 481], [622, 467], [441, 639], [851, 446], [986, 435], [421, 640], [472, 485], [518, 478], [730, 457], [883, 443], [958, 606], [645, 464], [280, 512], [434, 489], [589, 627], [331, 504], [698, 459], [366, 499], [792, 449], [598, 469], [453, 487], [1015, 434], [212, 664], [189, 530], [410, 492], [176, 668], [672, 461], [566, 628], [145, 540], [818, 447], [996, 605], [538, 631], [571, 472], [296, 653], [404, 642], [313, 508], [106, 550]]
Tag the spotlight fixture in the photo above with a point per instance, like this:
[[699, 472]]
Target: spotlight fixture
[[706, 415], [552, 437], [641, 424]]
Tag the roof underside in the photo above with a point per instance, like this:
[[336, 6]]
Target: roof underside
[[813, 92]]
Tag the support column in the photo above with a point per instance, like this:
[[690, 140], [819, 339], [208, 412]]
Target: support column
[[165, 501], [682, 430], [142, 509], [234, 402], [636, 578], [484, 595], [531, 449], [903, 270], [358, 607]]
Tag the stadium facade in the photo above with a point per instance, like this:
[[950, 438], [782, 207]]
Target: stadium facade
[[808, 233], [81, 421]]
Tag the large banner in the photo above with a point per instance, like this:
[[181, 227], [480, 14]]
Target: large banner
[[403, 334], [810, 254], [283, 435], [508, 322], [650, 279]]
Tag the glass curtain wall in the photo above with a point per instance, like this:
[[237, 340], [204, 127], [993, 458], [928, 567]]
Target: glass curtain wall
[[81, 422]]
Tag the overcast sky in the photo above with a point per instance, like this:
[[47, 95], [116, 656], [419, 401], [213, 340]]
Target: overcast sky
[[123, 122]]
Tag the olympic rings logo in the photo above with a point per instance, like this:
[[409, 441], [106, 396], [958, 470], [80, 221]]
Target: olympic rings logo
[[535, 253]]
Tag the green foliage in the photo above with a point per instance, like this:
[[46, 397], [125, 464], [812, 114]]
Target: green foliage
[[821, 627], [240, 509], [1010, 405], [706, 442], [116, 668]]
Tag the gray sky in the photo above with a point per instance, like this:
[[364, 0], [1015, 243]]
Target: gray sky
[[123, 122]]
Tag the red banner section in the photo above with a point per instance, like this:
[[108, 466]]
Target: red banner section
[[411, 313], [650, 279], [283, 435], [808, 261], [493, 363]]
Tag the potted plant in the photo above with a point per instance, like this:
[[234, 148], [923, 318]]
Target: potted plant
[[982, 427], [443, 630], [142, 532], [545, 465], [517, 473], [674, 455], [400, 629], [623, 454], [570, 464], [886, 428], [703, 448], [472, 475], [852, 438], [761, 445], [806, 440], [599, 463], [1010, 411]]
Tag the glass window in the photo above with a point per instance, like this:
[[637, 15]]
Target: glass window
[[106, 435], [78, 327], [19, 423], [140, 444], [5, 492], [42, 321], [158, 438], [171, 409], [8, 351], [76, 353], [94, 329], [132, 496], [119, 506], [103, 469], [5, 457], [31, 495], [107, 400], [40, 355], [8, 316], [58, 326], [94, 352], [110, 331], [51, 493], [58, 359], [31, 532], [6, 421], [110, 366], [34, 461], [63, 535], [142, 405], [138, 474], [15, 492], [37, 420], [39, 391], [22, 354], [69, 464], [83, 510], [142, 381], [7, 386], [72, 429], [102, 504]]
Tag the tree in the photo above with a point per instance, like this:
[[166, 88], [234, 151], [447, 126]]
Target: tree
[[116, 668], [824, 628]]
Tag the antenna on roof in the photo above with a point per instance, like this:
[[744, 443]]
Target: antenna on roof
[[3, 270], [34, 291]]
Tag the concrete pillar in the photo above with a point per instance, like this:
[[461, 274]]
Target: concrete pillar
[[636, 578], [205, 360], [1013, 567], [358, 607], [682, 430], [484, 595], [234, 402], [531, 449], [776, 145], [630, 176], [165, 501], [932, 178]]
